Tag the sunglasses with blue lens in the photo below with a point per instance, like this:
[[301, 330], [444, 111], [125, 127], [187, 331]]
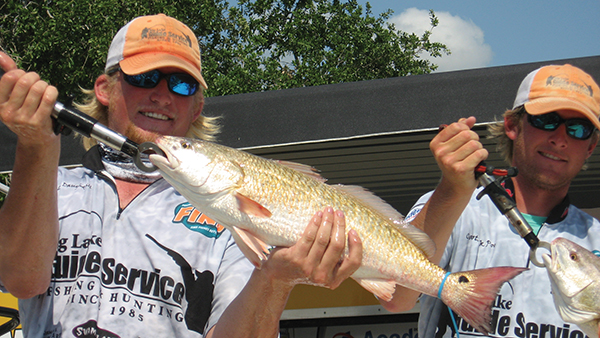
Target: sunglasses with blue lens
[[178, 83], [579, 129]]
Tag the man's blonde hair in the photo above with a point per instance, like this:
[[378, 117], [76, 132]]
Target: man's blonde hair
[[504, 145], [205, 128]]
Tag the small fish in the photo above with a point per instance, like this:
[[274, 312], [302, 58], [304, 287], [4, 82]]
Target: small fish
[[268, 203], [575, 277]]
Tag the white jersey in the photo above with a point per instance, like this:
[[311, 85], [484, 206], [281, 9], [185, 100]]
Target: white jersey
[[158, 268], [484, 238]]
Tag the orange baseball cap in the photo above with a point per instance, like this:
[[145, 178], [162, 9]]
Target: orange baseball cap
[[155, 41], [552, 88]]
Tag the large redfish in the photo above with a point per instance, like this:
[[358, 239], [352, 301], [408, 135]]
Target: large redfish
[[269, 203], [575, 276]]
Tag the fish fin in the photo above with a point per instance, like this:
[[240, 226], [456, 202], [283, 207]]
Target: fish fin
[[419, 238], [253, 248], [304, 169], [471, 294], [251, 207], [383, 289]]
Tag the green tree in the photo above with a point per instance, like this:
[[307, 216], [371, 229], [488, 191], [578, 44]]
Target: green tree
[[278, 44], [256, 45], [66, 41]]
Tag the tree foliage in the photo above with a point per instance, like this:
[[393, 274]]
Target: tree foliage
[[67, 41], [257, 45], [296, 43]]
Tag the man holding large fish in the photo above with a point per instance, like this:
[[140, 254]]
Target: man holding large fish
[[548, 136], [110, 250]]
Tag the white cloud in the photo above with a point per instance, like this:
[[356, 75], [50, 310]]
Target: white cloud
[[463, 38]]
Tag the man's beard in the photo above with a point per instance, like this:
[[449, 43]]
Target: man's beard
[[140, 136], [536, 177], [544, 182]]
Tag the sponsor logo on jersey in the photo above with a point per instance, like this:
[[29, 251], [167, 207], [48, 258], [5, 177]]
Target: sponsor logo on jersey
[[90, 329], [197, 221], [507, 323], [82, 277], [413, 213]]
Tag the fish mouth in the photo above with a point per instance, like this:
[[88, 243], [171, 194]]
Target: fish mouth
[[547, 259], [168, 161], [551, 260]]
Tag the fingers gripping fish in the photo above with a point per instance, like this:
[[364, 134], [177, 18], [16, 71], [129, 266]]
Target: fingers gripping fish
[[268, 203]]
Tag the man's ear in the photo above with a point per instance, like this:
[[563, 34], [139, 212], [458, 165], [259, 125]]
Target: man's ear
[[511, 129], [592, 146], [199, 110], [102, 89]]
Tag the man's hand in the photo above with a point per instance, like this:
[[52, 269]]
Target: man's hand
[[26, 104], [318, 258], [457, 151]]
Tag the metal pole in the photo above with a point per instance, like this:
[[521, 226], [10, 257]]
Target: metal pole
[[4, 188]]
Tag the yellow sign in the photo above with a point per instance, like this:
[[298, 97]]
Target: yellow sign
[[349, 293]]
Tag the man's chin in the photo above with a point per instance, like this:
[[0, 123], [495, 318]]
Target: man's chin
[[140, 136]]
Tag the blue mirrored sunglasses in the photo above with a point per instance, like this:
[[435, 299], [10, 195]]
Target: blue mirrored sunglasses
[[579, 129], [178, 83]]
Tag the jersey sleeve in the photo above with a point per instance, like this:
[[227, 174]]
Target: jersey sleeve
[[234, 272]]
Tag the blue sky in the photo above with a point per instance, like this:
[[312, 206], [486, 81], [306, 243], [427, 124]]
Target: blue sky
[[483, 33]]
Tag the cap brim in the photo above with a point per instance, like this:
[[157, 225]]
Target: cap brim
[[545, 105], [142, 63]]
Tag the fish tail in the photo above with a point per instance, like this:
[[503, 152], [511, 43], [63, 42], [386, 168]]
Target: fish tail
[[471, 294]]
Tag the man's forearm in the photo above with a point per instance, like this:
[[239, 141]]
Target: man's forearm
[[29, 223], [256, 311]]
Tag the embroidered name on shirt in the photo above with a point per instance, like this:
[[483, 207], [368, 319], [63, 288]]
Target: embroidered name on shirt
[[75, 186], [482, 243]]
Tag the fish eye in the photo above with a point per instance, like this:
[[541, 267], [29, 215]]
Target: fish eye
[[573, 256], [185, 145]]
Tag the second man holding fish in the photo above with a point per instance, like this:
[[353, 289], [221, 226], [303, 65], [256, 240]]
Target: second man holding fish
[[548, 135]]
